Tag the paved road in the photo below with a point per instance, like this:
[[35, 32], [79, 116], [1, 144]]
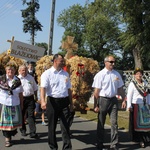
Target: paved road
[[83, 138]]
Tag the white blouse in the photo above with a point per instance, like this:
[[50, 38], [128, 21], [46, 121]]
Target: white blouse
[[134, 97], [10, 100]]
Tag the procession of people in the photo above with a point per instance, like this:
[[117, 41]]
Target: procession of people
[[19, 94]]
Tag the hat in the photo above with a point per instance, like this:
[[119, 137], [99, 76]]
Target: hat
[[138, 70]]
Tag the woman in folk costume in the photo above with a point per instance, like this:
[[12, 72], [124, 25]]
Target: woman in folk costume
[[138, 103], [11, 101]]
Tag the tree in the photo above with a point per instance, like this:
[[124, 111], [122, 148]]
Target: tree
[[43, 45], [102, 29], [73, 21], [30, 22], [137, 29], [94, 26]]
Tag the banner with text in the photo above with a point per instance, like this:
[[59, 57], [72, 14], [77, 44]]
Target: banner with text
[[27, 51]]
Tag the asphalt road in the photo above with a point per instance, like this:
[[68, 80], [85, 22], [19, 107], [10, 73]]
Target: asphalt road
[[83, 138]]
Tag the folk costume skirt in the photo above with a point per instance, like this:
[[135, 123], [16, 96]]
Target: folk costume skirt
[[139, 124], [10, 117]]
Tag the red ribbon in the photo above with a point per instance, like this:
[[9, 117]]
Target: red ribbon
[[145, 94]]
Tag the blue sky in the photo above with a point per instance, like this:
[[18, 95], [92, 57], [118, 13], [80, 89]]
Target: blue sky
[[11, 22]]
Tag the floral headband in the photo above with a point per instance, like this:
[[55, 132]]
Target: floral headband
[[138, 70]]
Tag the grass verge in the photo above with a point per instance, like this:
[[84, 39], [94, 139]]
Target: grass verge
[[123, 117]]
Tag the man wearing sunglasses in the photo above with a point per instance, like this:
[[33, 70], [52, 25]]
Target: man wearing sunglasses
[[107, 84]]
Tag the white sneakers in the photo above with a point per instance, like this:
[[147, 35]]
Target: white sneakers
[[44, 123]]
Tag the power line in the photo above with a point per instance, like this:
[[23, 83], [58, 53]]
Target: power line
[[8, 6], [6, 10], [5, 5]]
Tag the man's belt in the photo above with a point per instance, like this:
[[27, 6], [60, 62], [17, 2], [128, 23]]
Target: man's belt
[[108, 97], [28, 96], [59, 98]]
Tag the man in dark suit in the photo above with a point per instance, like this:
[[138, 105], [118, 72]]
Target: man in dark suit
[[31, 70]]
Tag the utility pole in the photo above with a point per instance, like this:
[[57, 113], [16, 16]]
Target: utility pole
[[49, 51]]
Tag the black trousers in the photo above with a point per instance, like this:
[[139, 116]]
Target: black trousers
[[29, 107], [56, 108]]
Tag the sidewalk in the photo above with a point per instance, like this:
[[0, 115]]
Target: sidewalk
[[83, 138]]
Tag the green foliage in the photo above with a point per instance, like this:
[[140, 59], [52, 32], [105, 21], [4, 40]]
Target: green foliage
[[30, 22], [62, 53], [43, 45], [137, 30], [102, 29], [110, 26], [94, 28], [73, 20]]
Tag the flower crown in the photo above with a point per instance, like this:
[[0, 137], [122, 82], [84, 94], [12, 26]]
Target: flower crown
[[138, 70]]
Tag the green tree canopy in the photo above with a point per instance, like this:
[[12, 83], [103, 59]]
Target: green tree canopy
[[73, 20], [94, 27], [135, 37], [43, 45], [30, 22], [101, 29], [110, 26]]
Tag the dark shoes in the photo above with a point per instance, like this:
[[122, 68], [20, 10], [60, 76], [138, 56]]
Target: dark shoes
[[114, 148], [34, 135], [111, 148], [101, 147], [23, 133]]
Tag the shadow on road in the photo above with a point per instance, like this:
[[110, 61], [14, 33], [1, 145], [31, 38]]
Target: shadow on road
[[89, 138]]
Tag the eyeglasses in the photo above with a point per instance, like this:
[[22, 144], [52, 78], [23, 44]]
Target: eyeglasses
[[111, 62]]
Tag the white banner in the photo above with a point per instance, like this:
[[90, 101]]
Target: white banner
[[27, 51]]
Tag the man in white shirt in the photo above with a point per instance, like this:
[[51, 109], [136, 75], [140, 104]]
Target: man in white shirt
[[108, 83], [29, 96], [55, 84]]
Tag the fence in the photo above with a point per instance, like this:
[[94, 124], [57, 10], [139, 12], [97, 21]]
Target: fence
[[128, 75], [127, 78]]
